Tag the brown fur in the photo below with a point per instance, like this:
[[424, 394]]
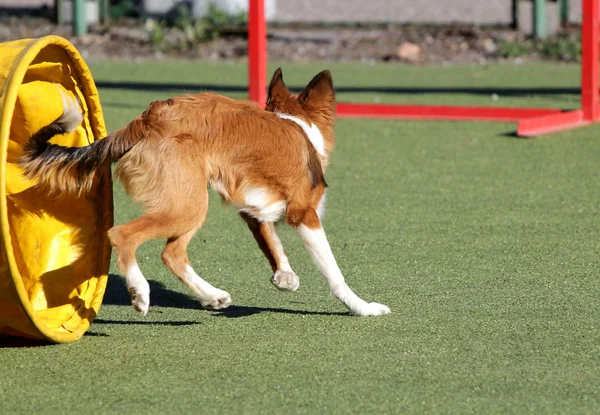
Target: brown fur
[[169, 154], [210, 138]]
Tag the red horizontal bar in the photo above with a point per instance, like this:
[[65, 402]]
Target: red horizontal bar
[[551, 123], [440, 112]]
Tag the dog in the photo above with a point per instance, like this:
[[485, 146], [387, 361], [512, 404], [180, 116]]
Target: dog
[[269, 163]]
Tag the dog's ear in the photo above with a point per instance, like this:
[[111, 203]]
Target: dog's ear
[[277, 88], [319, 92]]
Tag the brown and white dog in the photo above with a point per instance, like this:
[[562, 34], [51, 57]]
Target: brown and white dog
[[268, 163]]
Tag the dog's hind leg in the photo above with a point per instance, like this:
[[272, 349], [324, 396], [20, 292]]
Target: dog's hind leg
[[125, 240], [176, 259], [269, 243], [175, 256]]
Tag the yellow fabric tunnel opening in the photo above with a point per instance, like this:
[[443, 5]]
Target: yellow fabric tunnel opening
[[55, 254]]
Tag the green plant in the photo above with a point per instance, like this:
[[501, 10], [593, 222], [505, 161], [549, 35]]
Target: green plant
[[193, 30], [514, 49], [564, 47], [123, 9], [157, 31], [217, 17]]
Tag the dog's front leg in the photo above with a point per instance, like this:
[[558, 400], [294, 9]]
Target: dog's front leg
[[268, 240], [313, 236]]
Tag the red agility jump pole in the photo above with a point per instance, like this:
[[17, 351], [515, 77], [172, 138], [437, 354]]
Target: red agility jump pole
[[531, 121], [257, 52]]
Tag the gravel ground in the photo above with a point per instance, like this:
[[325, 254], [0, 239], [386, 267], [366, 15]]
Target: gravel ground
[[410, 44]]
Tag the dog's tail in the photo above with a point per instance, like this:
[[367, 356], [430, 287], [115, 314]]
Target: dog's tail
[[72, 169]]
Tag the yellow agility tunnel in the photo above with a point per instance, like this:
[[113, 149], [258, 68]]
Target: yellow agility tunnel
[[55, 254]]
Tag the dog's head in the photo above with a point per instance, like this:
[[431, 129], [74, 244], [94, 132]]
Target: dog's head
[[314, 105]]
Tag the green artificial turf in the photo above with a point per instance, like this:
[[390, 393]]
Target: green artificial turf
[[486, 248]]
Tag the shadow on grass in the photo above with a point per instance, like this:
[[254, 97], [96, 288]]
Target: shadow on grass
[[117, 294], [503, 91], [8, 342], [96, 334], [145, 323], [236, 311], [513, 134]]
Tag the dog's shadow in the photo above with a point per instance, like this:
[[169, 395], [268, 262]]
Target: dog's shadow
[[236, 311], [116, 294]]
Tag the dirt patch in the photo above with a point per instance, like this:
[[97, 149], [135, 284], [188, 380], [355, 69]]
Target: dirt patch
[[415, 45]]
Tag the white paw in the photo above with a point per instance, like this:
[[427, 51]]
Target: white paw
[[371, 309], [140, 297], [286, 280], [216, 300]]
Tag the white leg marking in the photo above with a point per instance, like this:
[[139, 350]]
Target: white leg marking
[[321, 205], [210, 297], [139, 289], [284, 278], [317, 245]]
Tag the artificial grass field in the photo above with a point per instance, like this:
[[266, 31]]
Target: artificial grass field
[[485, 247]]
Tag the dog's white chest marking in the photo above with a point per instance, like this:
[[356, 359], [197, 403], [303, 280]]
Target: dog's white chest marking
[[311, 131]]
